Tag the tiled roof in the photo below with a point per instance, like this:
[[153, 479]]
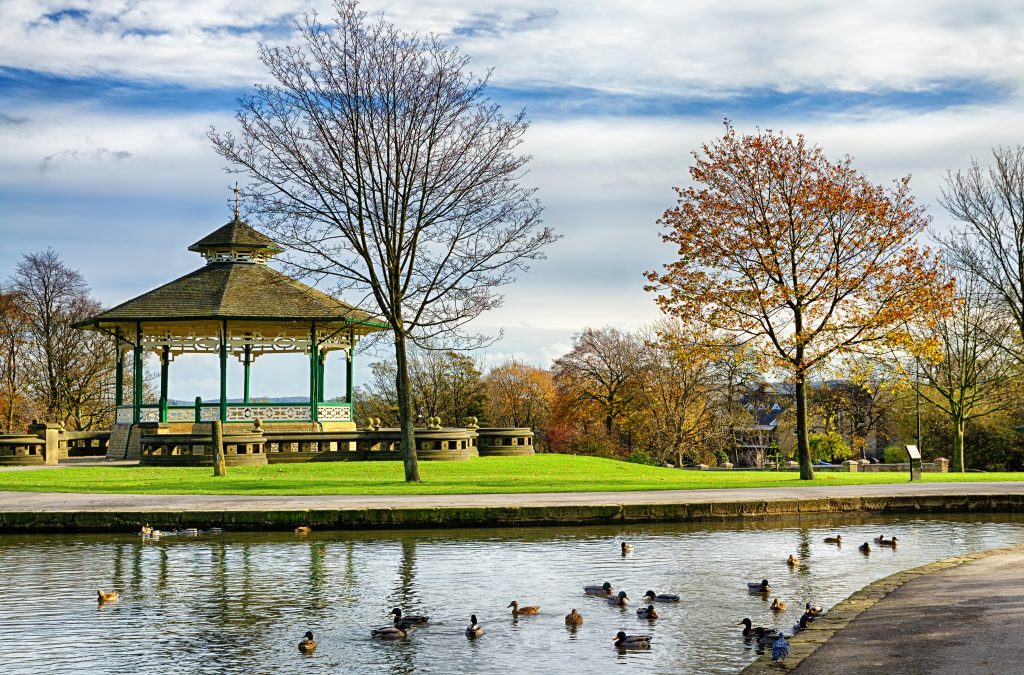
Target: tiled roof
[[236, 234], [233, 290]]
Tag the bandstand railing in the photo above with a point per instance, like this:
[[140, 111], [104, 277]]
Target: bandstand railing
[[328, 411]]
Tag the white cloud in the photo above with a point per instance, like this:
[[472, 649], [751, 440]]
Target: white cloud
[[680, 49]]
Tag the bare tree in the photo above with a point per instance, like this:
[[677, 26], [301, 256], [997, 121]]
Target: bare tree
[[989, 242], [69, 371], [378, 158], [974, 373]]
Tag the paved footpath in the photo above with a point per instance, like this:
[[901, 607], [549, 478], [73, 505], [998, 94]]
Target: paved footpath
[[80, 502], [961, 620]]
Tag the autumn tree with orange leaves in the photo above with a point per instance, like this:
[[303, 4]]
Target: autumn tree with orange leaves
[[801, 256]]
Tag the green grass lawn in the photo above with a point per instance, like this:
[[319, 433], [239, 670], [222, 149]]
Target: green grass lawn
[[540, 473]]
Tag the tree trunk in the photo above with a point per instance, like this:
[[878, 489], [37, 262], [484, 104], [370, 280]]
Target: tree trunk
[[405, 412], [802, 448], [958, 444]]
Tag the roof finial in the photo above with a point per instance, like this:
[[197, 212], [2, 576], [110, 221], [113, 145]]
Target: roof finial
[[236, 201]]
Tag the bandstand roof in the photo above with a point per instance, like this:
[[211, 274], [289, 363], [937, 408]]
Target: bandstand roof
[[235, 285]]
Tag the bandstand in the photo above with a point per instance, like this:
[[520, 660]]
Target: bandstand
[[235, 306]]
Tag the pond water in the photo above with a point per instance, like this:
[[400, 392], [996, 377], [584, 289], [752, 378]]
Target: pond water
[[240, 602]]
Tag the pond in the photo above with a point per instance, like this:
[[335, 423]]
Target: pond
[[240, 602]]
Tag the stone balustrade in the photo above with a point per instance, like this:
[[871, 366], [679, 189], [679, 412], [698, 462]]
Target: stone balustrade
[[504, 442], [33, 448], [159, 447]]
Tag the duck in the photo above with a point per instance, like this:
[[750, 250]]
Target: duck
[[891, 543], [763, 635], [603, 589], [813, 611], [623, 641], [146, 530], [517, 610], [763, 587], [307, 644], [474, 630], [647, 612], [391, 632], [792, 560], [620, 600], [864, 548], [411, 619], [838, 539], [104, 597], [802, 624], [651, 596], [626, 548], [574, 618], [778, 605], [303, 529], [879, 539]]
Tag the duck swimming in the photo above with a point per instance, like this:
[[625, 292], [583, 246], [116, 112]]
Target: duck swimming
[[623, 641], [763, 587], [792, 560], [574, 618], [647, 612], [517, 610], [307, 644], [626, 548], [411, 619], [778, 605], [303, 529], [891, 543], [838, 539], [391, 632], [620, 600], [474, 630], [651, 596], [103, 597], [864, 548], [760, 632], [603, 589]]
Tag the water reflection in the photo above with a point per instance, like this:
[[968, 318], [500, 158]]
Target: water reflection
[[240, 602]]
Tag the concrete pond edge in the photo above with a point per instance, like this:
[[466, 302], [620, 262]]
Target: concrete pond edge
[[108, 519], [805, 643]]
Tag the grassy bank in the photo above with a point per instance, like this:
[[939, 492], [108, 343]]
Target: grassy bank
[[541, 473]]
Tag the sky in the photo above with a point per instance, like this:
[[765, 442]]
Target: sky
[[105, 106]]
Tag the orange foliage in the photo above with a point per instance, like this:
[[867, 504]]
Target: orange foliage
[[779, 244]]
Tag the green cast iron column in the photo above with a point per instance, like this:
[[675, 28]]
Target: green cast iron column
[[320, 375], [314, 367], [224, 372], [137, 382], [248, 360], [349, 362], [118, 372], [164, 365]]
